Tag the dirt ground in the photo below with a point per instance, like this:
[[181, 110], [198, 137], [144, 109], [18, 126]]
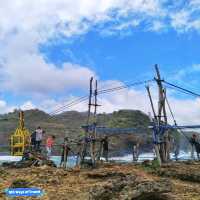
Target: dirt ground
[[178, 181]]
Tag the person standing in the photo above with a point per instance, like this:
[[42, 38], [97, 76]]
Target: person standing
[[197, 148], [195, 145], [135, 151], [49, 144], [65, 152], [39, 137], [105, 148], [33, 141], [177, 151], [192, 142], [79, 152]]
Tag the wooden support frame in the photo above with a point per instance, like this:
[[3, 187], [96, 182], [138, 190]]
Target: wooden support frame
[[92, 135], [161, 145], [156, 144]]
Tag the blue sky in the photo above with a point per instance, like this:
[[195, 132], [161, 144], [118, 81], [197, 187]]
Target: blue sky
[[49, 52], [124, 58]]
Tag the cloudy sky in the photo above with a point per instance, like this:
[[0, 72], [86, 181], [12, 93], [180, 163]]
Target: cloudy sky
[[50, 48]]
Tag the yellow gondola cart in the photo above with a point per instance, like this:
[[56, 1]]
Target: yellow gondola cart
[[20, 139]]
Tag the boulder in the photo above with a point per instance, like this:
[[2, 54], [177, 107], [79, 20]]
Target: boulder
[[34, 159], [130, 188]]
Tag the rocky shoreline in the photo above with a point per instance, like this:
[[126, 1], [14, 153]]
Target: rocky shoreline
[[175, 181]]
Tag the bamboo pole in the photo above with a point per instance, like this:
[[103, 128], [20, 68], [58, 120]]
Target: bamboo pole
[[156, 145], [165, 143]]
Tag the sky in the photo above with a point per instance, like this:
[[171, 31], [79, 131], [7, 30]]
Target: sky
[[49, 49]]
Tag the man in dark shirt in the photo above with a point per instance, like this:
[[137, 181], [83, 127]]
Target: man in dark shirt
[[195, 143], [33, 141]]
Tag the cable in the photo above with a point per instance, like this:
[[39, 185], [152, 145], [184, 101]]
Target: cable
[[175, 123], [176, 89], [103, 91], [123, 87], [171, 111], [72, 103], [183, 89]]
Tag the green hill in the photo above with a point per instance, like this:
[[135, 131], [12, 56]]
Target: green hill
[[69, 124]]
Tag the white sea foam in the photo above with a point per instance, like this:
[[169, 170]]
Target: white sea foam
[[126, 158], [10, 158]]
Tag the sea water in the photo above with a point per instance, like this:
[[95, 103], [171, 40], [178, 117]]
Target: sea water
[[71, 162]]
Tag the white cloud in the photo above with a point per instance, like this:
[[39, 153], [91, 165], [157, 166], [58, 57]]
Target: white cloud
[[157, 26], [4, 107], [52, 16], [28, 105], [180, 20], [186, 18], [37, 76], [195, 3], [185, 73], [186, 111], [25, 24], [196, 67], [129, 24], [24, 69]]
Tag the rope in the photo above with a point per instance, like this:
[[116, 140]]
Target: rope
[[72, 103], [175, 123], [125, 86], [183, 89], [103, 91]]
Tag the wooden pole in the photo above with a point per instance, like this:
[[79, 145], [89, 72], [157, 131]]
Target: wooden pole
[[90, 101], [84, 144], [164, 150], [65, 155], [95, 99], [21, 120], [156, 145], [93, 143], [151, 101]]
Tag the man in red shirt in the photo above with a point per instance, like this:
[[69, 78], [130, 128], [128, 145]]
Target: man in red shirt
[[49, 145]]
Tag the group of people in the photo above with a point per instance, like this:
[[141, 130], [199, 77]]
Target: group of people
[[37, 138], [195, 144], [66, 149]]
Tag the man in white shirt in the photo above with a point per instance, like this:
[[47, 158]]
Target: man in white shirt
[[39, 136]]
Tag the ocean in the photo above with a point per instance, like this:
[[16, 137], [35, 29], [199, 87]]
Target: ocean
[[122, 159]]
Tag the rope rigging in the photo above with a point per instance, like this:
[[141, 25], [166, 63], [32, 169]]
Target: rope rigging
[[103, 91], [72, 103], [125, 86], [182, 89], [175, 123], [160, 124], [185, 91]]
